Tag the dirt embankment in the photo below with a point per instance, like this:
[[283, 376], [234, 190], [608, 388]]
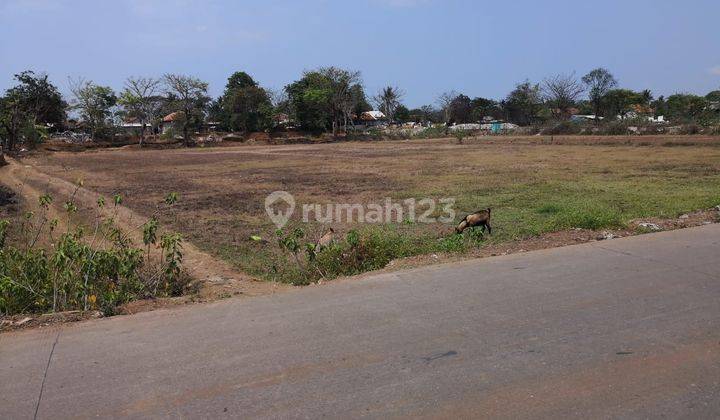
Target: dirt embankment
[[216, 278]]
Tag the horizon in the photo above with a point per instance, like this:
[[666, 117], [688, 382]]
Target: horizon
[[424, 47]]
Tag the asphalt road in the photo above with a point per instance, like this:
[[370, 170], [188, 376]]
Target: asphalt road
[[621, 328]]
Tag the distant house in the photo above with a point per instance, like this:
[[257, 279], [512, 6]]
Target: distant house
[[281, 119], [168, 122], [372, 119], [132, 126], [172, 122]]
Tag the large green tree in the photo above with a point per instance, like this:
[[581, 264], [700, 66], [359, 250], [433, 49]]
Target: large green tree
[[245, 106], [713, 96], [523, 104], [687, 108], [619, 102], [402, 114], [309, 100], [598, 82], [357, 102], [460, 109], [425, 114], [325, 98], [659, 106], [483, 107], [12, 121], [29, 107]]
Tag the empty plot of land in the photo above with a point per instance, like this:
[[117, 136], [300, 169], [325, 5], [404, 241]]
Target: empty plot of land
[[534, 185]]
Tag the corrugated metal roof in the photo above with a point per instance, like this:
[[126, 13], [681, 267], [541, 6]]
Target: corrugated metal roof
[[372, 115]]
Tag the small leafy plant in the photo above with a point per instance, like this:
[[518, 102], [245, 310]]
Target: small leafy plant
[[81, 271], [460, 135]]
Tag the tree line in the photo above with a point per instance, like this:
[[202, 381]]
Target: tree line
[[327, 99]]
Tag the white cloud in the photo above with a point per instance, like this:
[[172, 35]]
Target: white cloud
[[715, 71]]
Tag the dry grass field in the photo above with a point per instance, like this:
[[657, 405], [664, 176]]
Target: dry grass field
[[534, 185]]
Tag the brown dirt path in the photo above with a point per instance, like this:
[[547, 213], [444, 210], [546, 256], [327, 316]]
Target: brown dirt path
[[217, 278]]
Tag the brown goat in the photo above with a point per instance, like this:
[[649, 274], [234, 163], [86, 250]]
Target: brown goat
[[325, 240], [479, 218]]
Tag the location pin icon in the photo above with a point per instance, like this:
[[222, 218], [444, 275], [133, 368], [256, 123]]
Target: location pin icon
[[280, 218]]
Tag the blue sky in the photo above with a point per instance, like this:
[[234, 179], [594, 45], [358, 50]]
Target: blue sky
[[426, 47]]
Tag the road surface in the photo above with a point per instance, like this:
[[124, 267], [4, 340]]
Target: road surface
[[621, 328]]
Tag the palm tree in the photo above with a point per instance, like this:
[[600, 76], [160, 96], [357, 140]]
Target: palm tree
[[388, 100]]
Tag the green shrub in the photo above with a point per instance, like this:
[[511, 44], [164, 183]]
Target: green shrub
[[360, 251], [80, 271], [33, 134], [452, 243], [563, 128]]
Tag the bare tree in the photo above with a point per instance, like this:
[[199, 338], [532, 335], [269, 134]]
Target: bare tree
[[562, 91], [347, 107], [445, 101], [388, 101], [280, 102], [94, 102], [599, 82], [278, 97], [140, 100], [188, 95]]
